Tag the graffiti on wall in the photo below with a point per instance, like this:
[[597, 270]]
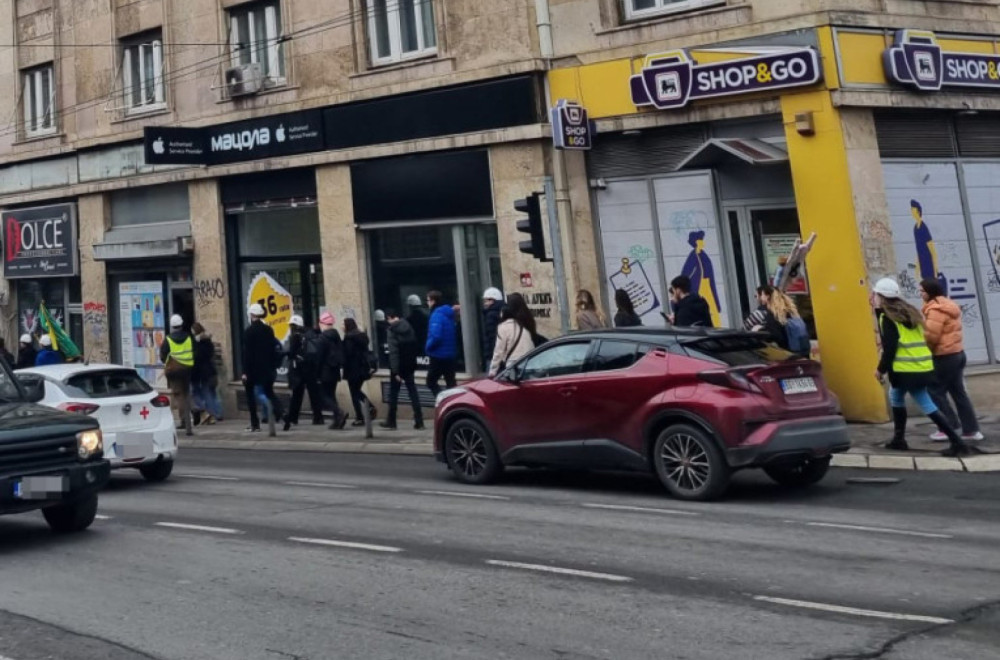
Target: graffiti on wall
[[208, 291]]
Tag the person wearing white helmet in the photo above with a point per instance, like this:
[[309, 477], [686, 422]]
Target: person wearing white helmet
[[492, 306], [261, 355], [47, 354], [26, 352], [305, 355], [909, 365], [418, 318], [177, 355]]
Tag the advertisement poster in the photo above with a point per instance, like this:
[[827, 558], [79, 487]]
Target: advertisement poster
[[143, 328], [781, 245], [276, 301]]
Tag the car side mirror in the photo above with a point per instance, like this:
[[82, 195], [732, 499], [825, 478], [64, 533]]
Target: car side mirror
[[511, 375], [34, 388]]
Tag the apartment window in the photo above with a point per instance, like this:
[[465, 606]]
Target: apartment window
[[39, 93], [645, 8], [142, 73], [255, 36], [401, 29]]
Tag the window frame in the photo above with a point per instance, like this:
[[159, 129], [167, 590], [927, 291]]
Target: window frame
[[31, 79], [271, 54], [153, 42], [394, 23], [592, 366], [521, 366], [667, 7]]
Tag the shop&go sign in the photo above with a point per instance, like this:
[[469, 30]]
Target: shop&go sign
[[571, 126], [40, 242], [276, 301], [917, 60], [671, 80]]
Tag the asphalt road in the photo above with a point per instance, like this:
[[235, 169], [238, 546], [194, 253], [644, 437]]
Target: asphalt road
[[250, 555]]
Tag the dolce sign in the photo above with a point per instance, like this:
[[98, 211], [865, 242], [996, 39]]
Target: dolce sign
[[917, 60], [40, 242], [671, 80]]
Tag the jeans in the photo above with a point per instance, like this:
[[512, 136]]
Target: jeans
[[897, 399], [440, 367], [949, 371], [397, 382], [268, 388], [207, 397]]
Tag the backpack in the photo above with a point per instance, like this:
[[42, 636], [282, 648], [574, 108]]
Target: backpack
[[312, 348], [798, 337], [335, 354]]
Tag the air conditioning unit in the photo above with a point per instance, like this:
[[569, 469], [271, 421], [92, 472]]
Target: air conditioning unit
[[244, 79]]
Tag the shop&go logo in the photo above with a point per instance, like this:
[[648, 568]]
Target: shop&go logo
[[917, 60], [671, 80], [276, 301]]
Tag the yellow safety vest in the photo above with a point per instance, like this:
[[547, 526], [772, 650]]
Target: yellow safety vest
[[182, 352], [912, 354]]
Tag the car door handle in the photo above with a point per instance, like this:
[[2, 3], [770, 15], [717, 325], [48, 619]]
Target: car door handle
[[569, 390]]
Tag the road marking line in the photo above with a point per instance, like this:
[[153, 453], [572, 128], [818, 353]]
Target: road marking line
[[346, 544], [208, 477], [883, 530], [319, 484], [642, 509], [199, 528], [454, 493], [839, 609], [559, 571], [97, 517]]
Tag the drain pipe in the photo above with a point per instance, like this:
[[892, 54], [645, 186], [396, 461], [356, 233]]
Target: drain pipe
[[543, 22]]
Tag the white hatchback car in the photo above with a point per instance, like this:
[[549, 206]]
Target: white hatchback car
[[136, 421]]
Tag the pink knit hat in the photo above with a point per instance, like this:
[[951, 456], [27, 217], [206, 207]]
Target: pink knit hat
[[326, 318]]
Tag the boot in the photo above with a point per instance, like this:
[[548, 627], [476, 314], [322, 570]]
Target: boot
[[898, 430], [958, 446]]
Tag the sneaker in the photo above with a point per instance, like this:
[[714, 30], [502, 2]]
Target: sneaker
[[209, 421], [898, 445], [972, 436], [252, 429], [358, 422], [938, 436]]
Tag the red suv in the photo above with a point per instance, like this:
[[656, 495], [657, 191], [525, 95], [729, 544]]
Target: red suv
[[692, 406]]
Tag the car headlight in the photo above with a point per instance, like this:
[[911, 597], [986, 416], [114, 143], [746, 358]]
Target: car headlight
[[89, 444], [447, 394]]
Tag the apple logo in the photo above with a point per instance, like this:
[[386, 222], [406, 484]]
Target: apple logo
[[279, 134], [158, 145]]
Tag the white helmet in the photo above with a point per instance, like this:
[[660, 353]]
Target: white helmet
[[493, 293], [887, 288], [25, 339], [176, 321], [297, 321], [413, 300], [379, 315], [257, 310], [45, 340]]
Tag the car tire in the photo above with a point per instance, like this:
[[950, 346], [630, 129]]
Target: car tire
[[799, 475], [689, 464], [471, 454], [73, 516], [157, 471]]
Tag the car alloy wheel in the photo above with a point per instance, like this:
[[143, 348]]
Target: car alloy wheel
[[689, 464], [470, 452]]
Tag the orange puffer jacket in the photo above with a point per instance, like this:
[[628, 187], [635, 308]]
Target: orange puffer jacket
[[943, 326]]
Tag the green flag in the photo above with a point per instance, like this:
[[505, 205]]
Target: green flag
[[60, 340]]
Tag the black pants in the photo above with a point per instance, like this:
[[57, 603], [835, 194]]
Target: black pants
[[411, 388], [329, 395], [268, 388], [358, 397], [311, 385], [949, 372], [440, 367]]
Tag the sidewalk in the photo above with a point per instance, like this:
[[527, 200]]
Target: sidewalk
[[866, 439]]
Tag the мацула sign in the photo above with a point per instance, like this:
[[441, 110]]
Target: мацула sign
[[40, 242]]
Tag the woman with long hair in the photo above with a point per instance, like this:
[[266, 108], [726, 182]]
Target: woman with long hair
[[776, 308], [514, 334], [357, 369], [625, 317], [588, 317], [909, 365]]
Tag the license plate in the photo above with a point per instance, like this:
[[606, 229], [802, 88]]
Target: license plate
[[39, 488], [798, 385], [134, 449]]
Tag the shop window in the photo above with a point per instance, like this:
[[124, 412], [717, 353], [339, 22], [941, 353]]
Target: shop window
[[150, 204], [39, 97], [255, 38], [401, 29], [638, 9], [142, 73], [59, 295], [299, 232]]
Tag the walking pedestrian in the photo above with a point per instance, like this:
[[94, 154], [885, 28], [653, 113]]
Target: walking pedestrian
[[305, 354], [403, 350], [625, 316], [329, 372], [492, 304], [177, 355], [205, 377], [47, 355], [689, 308], [909, 365], [418, 318], [261, 353], [381, 338], [943, 332], [778, 316], [587, 315], [442, 343], [7, 356], [26, 352], [514, 335], [357, 369]]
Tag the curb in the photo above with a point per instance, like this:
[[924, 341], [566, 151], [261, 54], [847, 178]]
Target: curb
[[982, 463]]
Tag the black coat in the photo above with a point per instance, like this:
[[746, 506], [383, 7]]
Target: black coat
[[692, 310], [259, 350], [356, 356], [626, 320], [491, 320], [333, 356], [403, 348], [204, 361], [26, 357]]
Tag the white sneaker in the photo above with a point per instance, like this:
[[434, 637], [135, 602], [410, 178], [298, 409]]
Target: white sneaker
[[972, 436], [938, 436]]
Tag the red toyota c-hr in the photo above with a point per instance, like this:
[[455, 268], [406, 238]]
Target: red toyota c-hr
[[692, 406]]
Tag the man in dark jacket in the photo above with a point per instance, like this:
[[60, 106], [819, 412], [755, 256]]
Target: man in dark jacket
[[442, 343], [26, 353], [418, 319], [6, 354], [260, 352], [403, 349], [332, 363], [177, 355], [492, 304], [305, 356], [690, 309]]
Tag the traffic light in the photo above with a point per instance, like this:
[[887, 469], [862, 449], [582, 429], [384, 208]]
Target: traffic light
[[532, 226]]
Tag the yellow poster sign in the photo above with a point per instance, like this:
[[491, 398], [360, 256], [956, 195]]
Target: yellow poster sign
[[276, 301]]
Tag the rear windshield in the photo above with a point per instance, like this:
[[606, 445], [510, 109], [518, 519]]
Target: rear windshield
[[737, 351], [108, 384]]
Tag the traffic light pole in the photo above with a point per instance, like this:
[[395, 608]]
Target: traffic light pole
[[555, 239]]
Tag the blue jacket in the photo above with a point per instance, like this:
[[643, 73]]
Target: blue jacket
[[441, 334], [48, 356]]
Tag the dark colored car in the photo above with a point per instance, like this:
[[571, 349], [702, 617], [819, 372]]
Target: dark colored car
[[692, 406], [49, 459]]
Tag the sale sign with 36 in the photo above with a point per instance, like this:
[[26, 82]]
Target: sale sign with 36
[[276, 301]]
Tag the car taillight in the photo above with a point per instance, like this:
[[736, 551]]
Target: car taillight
[[732, 379], [161, 401], [82, 408]]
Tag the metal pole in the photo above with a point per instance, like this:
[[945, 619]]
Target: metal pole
[[555, 238]]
